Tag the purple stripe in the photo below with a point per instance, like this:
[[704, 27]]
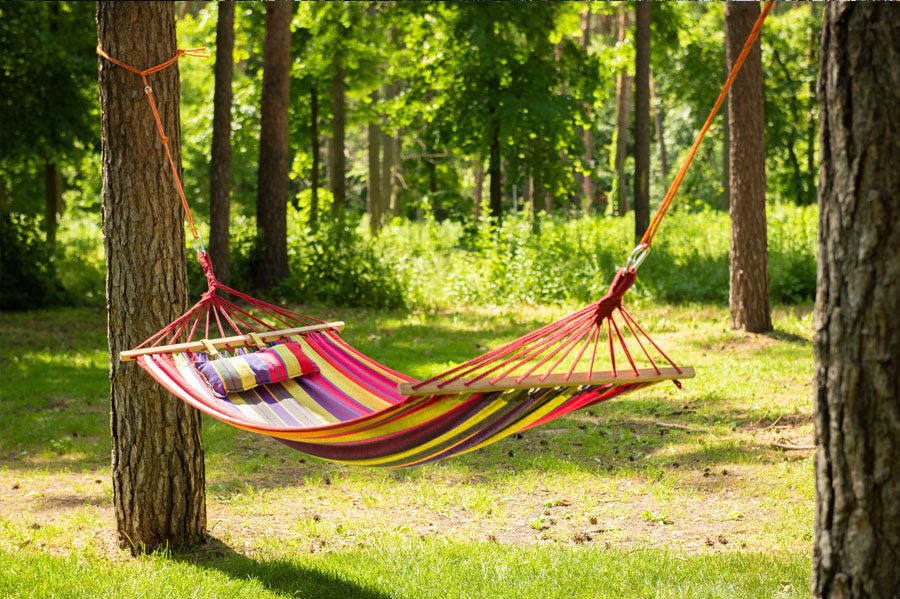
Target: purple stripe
[[360, 372], [331, 399]]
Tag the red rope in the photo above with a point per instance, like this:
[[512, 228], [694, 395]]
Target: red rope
[[198, 52]]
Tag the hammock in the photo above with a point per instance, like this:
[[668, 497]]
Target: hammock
[[348, 408]]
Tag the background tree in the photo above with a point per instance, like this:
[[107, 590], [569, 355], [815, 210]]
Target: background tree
[[157, 455], [749, 277], [623, 107], [220, 157], [272, 181], [641, 118], [857, 342]]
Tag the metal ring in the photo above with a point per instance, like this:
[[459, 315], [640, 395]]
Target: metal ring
[[637, 256]]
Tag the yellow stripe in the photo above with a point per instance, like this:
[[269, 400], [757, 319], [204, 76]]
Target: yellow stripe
[[307, 403], [291, 363], [335, 377]]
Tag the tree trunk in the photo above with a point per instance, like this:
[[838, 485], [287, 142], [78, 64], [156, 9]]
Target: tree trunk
[[316, 159], [726, 145], [388, 159], [157, 454], [749, 277], [496, 190], [220, 160], [478, 192], [587, 181], [272, 175], [337, 168], [431, 167], [641, 118], [812, 113], [373, 185], [857, 342], [660, 130], [623, 105], [52, 201]]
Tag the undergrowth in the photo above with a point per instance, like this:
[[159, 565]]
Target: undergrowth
[[434, 265]]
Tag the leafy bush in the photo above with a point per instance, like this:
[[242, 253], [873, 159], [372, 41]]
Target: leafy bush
[[27, 272]]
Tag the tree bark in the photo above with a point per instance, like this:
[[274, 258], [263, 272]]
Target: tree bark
[[272, 175], [373, 188], [749, 277], [220, 160], [496, 190], [726, 145], [388, 159], [52, 201], [587, 180], [157, 454], [641, 118], [857, 332], [623, 105], [337, 160], [316, 158]]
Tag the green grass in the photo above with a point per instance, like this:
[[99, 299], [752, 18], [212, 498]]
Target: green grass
[[415, 569], [601, 503]]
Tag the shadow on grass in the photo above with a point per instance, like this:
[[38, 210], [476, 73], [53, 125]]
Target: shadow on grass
[[279, 576]]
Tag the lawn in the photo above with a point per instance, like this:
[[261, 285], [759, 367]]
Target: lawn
[[662, 493]]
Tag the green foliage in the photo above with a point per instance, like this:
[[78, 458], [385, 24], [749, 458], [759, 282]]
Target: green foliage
[[29, 278]]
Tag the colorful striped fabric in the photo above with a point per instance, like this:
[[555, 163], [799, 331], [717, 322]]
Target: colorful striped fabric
[[247, 371], [350, 411]]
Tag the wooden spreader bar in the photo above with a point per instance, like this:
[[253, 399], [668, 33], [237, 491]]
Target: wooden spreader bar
[[644, 375], [227, 342]]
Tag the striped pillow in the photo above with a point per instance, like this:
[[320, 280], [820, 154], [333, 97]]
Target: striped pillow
[[241, 373]]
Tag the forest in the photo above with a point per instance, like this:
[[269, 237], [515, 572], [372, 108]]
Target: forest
[[486, 399], [438, 154]]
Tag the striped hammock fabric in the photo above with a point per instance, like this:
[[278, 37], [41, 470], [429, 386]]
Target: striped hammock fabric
[[350, 411], [248, 371]]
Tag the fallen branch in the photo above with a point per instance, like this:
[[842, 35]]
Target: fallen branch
[[795, 447], [680, 427]]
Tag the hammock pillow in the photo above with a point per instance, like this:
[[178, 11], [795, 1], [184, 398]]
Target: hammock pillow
[[242, 373]]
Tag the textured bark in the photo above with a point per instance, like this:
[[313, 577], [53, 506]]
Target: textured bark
[[52, 200], [388, 160], [726, 147], [220, 160], [337, 160], [587, 183], [641, 118], [857, 341], [495, 190], [157, 455], [623, 106], [316, 159], [272, 174], [373, 189], [749, 277]]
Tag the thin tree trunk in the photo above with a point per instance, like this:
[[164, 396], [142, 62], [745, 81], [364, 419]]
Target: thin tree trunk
[[660, 130], [316, 158], [272, 175], [388, 159], [220, 160], [726, 144], [856, 552], [496, 190], [812, 114], [157, 453], [749, 289], [338, 167], [431, 166], [373, 188], [623, 105], [587, 180], [52, 201], [642, 119], [397, 176]]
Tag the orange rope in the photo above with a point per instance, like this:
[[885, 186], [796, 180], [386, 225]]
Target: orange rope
[[647, 239], [199, 52]]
